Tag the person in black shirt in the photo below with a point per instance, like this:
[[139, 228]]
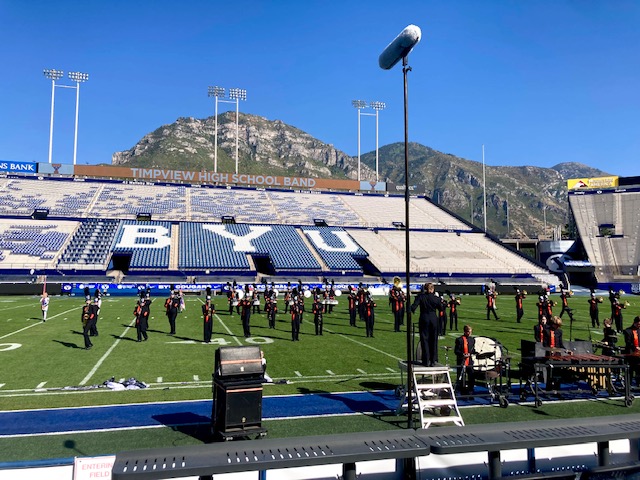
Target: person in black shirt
[[429, 304]]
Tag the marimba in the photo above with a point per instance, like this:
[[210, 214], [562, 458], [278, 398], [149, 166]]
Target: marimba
[[573, 364]]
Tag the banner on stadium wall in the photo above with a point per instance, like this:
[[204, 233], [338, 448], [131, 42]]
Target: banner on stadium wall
[[163, 289], [55, 168], [163, 175], [21, 167], [373, 186], [596, 182], [397, 188]]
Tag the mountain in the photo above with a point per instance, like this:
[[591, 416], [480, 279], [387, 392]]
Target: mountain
[[265, 146], [521, 201]]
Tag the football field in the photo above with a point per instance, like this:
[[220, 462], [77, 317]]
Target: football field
[[45, 363], [45, 367]]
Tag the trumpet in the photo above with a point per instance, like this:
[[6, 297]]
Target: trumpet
[[600, 299], [397, 282], [524, 292], [570, 293], [625, 304], [620, 292]]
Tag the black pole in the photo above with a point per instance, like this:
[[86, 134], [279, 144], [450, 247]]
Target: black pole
[[405, 70]]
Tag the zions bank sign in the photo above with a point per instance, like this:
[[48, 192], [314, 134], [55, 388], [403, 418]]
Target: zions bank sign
[[22, 167]]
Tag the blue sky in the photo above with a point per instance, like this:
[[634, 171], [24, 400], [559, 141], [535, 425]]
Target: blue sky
[[537, 82]]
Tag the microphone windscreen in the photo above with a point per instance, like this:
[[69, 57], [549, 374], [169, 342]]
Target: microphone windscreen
[[400, 47]]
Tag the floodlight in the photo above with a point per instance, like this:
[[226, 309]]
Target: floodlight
[[53, 74], [378, 105], [359, 104], [78, 76], [218, 92], [237, 94]]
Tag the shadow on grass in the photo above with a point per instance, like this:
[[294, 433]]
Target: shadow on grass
[[188, 423], [126, 339], [67, 344]]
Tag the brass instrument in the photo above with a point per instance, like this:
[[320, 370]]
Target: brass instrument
[[397, 282], [524, 292]]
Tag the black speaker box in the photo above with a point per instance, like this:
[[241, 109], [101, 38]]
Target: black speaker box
[[238, 362], [237, 407]]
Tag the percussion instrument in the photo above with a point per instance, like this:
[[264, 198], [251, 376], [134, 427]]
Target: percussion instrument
[[256, 302], [329, 302], [487, 353], [275, 292], [307, 293], [338, 293]]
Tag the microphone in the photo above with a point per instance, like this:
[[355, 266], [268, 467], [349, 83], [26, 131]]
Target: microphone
[[400, 47]]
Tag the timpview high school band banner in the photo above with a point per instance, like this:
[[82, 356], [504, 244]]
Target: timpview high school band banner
[[256, 180]]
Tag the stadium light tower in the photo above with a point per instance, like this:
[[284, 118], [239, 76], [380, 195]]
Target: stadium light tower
[[237, 94], [217, 93], [77, 77], [359, 104], [397, 50], [377, 106], [52, 75]]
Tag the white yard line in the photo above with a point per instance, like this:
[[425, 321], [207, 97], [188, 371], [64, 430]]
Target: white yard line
[[365, 345], [40, 322], [107, 353]]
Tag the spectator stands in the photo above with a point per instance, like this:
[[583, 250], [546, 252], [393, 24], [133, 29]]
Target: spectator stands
[[32, 244], [275, 231]]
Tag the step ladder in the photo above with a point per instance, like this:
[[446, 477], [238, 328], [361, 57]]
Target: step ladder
[[433, 395]]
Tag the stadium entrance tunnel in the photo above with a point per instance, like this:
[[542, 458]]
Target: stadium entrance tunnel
[[120, 261], [263, 264]]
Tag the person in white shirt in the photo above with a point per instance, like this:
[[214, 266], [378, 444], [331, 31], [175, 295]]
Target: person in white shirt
[[44, 305]]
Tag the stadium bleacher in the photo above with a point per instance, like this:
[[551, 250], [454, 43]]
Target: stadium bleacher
[[187, 236]]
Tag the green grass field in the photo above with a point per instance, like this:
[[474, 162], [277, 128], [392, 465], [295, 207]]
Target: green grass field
[[40, 359]]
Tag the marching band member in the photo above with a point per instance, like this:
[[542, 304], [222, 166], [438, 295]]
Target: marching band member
[[540, 328], [230, 297], [617, 312], [548, 306], [612, 300], [208, 309], [361, 296], [593, 309], [142, 311], [542, 308], [453, 304], [94, 310], [520, 296], [609, 338], [287, 297], [318, 310], [552, 337], [245, 306], [87, 323], [172, 306], [632, 348], [491, 303], [332, 296], [398, 300], [369, 314], [255, 299], [564, 298], [296, 314], [271, 307], [442, 317], [353, 306], [464, 348]]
